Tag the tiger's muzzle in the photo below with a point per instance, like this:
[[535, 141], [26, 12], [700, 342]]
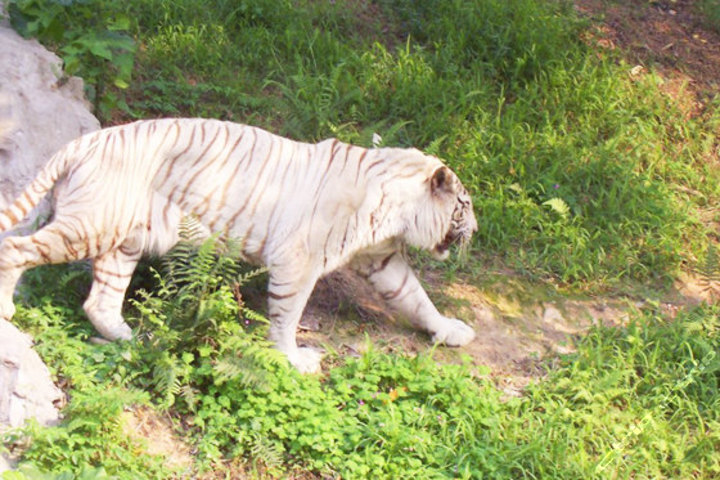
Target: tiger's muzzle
[[441, 251]]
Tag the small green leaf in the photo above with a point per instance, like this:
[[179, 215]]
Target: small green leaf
[[100, 50]]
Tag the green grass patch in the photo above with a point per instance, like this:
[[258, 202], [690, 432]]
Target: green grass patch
[[710, 13], [578, 170], [635, 402]]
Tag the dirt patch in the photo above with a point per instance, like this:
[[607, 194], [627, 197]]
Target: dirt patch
[[519, 325], [666, 36], [156, 434], [692, 289], [522, 326]]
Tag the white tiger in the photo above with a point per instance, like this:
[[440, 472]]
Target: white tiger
[[301, 209]]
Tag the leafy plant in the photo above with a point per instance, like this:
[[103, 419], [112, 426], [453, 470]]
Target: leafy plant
[[91, 439], [92, 39], [195, 328], [558, 206], [636, 401], [92, 436], [31, 472]]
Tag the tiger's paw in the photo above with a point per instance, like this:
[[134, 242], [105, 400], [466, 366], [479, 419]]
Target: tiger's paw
[[305, 359], [123, 332], [111, 325], [454, 333], [117, 331]]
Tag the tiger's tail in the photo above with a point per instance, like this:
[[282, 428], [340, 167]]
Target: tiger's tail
[[33, 193]]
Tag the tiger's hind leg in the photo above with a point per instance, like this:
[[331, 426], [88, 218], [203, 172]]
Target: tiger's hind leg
[[10, 273], [112, 272], [61, 242], [55, 243]]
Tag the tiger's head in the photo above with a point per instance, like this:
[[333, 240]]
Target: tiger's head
[[446, 189], [443, 214]]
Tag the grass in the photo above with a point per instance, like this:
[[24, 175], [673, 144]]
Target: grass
[[580, 172], [639, 401], [710, 13], [508, 93]]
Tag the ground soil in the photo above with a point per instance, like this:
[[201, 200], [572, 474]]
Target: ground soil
[[520, 326], [667, 37]]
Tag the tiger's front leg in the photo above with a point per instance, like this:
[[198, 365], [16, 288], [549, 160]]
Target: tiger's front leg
[[287, 296], [393, 278]]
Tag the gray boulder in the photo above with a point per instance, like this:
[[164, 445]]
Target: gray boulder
[[40, 111], [26, 388]]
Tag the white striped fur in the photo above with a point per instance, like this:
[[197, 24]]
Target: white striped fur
[[301, 209]]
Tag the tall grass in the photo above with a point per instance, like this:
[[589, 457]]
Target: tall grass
[[506, 92], [579, 170]]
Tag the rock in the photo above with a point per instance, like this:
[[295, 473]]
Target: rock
[[26, 388], [40, 111]]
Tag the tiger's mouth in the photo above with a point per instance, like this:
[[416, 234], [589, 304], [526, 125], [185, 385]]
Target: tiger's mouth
[[441, 250]]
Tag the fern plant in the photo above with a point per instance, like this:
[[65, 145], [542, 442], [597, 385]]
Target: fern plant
[[195, 329], [709, 271], [558, 205]]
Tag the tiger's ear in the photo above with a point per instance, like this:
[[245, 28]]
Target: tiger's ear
[[442, 181]]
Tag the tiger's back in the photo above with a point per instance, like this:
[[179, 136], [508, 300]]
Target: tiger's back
[[301, 209], [234, 178]]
